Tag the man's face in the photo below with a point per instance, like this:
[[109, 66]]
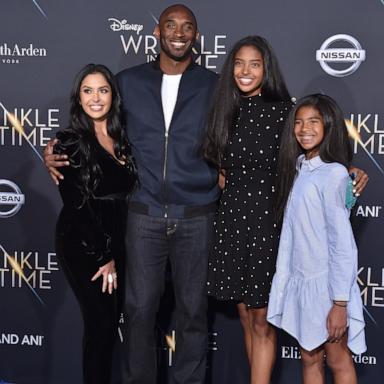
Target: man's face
[[177, 32]]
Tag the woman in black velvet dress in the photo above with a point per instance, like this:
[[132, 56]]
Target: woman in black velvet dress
[[89, 233]]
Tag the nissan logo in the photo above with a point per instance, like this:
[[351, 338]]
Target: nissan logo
[[11, 198], [353, 54]]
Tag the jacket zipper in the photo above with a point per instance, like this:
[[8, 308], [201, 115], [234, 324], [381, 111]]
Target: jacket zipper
[[165, 172]]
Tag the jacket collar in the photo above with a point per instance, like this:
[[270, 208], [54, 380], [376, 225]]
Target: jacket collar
[[156, 64]]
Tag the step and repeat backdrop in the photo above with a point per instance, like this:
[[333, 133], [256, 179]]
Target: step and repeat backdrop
[[334, 47]]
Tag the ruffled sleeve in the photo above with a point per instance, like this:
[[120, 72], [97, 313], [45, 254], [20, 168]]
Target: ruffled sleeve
[[94, 237]]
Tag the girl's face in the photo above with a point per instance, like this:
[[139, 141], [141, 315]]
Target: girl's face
[[309, 130], [248, 70], [95, 96]]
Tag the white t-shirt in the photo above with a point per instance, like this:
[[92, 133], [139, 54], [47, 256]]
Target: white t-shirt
[[169, 90]]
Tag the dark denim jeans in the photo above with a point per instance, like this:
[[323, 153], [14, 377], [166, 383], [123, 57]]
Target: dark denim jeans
[[151, 242]]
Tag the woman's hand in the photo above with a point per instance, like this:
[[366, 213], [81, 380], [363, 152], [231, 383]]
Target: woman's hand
[[337, 322], [108, 271], [221, 181], [52, 161], [360, 181]]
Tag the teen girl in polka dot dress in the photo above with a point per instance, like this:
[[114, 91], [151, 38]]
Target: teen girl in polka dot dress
[[250, 107]]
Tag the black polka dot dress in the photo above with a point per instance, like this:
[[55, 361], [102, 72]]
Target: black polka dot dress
[[243, 255]]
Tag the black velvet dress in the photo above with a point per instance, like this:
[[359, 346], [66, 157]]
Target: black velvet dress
[[90, 233]]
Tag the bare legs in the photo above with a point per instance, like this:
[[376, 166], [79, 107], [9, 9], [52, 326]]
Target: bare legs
[[260, 342], [312, 363], [338, 358], [244, 320], [260, 345]]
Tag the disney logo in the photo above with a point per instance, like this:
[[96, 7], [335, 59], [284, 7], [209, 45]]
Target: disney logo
[[117, 25]]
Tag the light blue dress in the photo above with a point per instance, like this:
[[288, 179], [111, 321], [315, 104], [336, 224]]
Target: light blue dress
[[317, 258]]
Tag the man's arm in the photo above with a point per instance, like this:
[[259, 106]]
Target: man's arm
[[53, 161]]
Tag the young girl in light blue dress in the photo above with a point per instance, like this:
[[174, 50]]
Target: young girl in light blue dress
[[315, 296]]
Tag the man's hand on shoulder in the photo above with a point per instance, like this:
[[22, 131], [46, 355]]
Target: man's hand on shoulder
[[53, 161]]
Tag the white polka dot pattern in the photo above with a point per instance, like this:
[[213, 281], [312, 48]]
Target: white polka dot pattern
[[243, 255]]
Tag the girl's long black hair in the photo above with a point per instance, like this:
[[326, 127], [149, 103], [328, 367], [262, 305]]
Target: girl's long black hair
[[83, 126], [335, 146], [226, 98]]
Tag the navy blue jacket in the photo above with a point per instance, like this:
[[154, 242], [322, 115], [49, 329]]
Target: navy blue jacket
[[175, 180]]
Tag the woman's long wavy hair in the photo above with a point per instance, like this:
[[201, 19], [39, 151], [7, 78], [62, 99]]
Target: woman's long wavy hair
[[335, 146], [83, 125], [226, 99]]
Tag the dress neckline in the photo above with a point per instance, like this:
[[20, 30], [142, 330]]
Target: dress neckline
[[312, 164], [109, 154], [251, 98]]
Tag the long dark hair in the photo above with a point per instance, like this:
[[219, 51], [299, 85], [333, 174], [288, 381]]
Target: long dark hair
[[83, 125], [335, 146], [226, 99]]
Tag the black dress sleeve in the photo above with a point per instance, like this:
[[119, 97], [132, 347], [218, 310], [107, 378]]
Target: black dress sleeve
[[83, 210]]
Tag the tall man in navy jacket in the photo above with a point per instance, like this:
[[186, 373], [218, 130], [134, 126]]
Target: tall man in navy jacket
[[171, 216]]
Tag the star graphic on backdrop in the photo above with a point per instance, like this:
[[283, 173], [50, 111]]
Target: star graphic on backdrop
[[44, 14]]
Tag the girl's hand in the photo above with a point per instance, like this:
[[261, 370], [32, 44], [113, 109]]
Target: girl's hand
[[360, 181], [221, 181], [108, 271], [337, 322]]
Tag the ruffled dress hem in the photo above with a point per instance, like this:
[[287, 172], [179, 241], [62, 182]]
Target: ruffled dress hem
[[300, 307]]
